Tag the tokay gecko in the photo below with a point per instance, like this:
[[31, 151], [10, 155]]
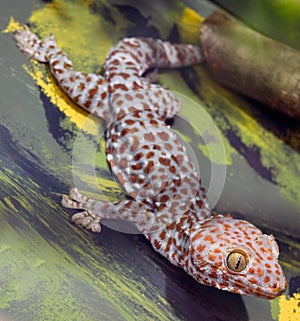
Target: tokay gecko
[[166, 201]]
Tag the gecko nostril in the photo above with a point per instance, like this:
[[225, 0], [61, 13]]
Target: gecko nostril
[[274, 285]]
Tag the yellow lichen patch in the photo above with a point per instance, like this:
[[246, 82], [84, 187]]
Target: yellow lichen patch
[[275, 154], [83, 40], [9, 203], [289, 308], [189, 25], [12, 26], [233, 114], [57, 97], [98, 186], [83, 35]]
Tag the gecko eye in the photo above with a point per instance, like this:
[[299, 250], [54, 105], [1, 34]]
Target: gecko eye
[[236, 261]]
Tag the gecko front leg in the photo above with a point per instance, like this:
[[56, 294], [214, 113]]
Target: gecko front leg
[[89, 219], [94, 211]]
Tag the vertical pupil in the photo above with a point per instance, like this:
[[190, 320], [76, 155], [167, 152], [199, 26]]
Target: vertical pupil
[[238, 262]]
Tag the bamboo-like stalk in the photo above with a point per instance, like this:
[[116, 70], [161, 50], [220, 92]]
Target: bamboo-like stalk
[[252, 64]]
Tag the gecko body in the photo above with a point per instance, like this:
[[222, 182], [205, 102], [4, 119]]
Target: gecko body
[[166, 200]]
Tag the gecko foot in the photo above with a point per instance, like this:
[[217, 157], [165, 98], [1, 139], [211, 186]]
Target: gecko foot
[[88, 218], [88, 221], [31, 45]]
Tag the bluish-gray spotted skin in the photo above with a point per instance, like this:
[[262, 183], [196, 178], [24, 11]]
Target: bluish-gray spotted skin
[[167, 202]]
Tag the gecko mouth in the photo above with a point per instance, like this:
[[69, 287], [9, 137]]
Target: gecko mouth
[[270, 292]]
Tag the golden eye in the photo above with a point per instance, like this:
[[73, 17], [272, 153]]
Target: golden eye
[[236, 261]]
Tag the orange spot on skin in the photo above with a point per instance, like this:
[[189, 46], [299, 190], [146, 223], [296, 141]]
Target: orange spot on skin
[[138, 156], [149, 167], [157, 245], [67, 66], [128, 97], [129, 121], [253, 281], [201, 248], [123, 163], [258, 261], [209, 238], [260, 272], [134, 144], [251, 270], [58, 71], [120, 86], [153, 122], [125, 131], [123, 147], [133, 178], [224, 285], [76, 99], [164, 161], [165, 199], [213, 283], [163, 136], [150, 155], [212, 257], [124, 75], [237, 224], [149, 137], [168, 246], [213, 275], [92, 92], [172, 169], [168, 146], [136, 166], [81, 86], [263, 250], [121, 179], [87, 104], [162, 235]]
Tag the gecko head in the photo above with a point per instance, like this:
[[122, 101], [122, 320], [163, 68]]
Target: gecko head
[[236, 256]]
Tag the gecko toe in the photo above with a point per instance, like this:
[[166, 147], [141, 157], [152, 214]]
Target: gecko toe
[[78, 217], [66, 202], [76, 196], [23, 38], [96, 227], [86, 220]]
